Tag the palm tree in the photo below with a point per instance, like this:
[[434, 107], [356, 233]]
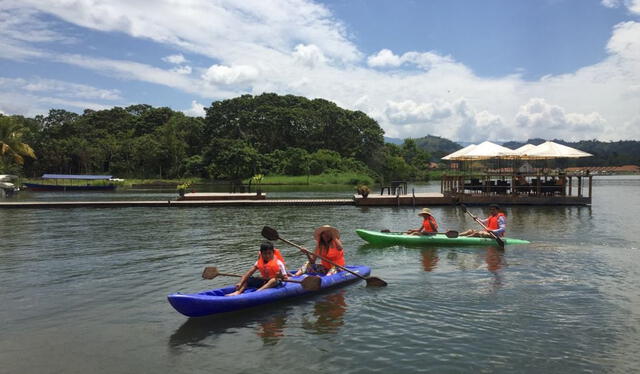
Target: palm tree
[[11, 144]]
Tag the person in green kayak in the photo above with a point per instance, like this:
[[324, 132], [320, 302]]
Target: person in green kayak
[[429, 225], [271, 266], [496, 223]]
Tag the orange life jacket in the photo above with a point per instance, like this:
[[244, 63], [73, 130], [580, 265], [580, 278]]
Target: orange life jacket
[[333, 254], [492, 222], [270, 269], [278, 255], [429, 224]]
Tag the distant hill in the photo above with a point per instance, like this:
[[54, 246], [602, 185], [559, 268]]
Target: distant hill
[[437, 146], [393, 140], [624, 152]]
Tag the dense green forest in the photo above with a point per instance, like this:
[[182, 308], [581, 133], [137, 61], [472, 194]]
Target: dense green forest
[[267, 134], [238, 138]]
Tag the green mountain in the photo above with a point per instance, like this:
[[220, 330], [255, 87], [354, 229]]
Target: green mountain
[[437, 146]]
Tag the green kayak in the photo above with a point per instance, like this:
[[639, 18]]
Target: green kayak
[[391, 238]]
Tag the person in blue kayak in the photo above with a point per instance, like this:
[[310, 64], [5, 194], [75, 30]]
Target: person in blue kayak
[[429, 225], [496, 223], [328, 245], [271, 265]]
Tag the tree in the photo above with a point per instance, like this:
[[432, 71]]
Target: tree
[[12, 148], [230, 159]]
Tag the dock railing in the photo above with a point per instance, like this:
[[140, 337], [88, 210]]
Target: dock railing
[[551, 184]]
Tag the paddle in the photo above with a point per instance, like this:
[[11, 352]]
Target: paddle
[[450, 233], [498, 240], [309, 283], [272, 234]]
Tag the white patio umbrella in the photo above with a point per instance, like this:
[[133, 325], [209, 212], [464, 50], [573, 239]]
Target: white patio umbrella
[[487, 150], [525, 149], [459, 152], [524, 153], [551, 149]]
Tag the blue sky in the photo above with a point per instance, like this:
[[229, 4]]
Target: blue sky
[[467, 70]]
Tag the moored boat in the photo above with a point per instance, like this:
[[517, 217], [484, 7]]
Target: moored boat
[[69, 186], [398, 238], [214, 302]]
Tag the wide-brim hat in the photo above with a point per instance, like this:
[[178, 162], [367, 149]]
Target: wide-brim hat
[[335, 234], [425, 211]]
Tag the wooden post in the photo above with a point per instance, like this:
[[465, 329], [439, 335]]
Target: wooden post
[[579, 186], [570, 184], [590, 185]]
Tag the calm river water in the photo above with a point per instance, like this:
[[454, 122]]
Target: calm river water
[[84, 291]]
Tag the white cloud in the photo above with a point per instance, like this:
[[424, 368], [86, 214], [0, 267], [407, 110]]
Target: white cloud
[[222, 30], [196, 110], [228, 75], [384, 58], [57, 87], [632, 5], [625, 42], [175, 59], [424, 60], [31, 105], [309, 55], [185, 69], [539, 117], [298, 47], [409, 111]]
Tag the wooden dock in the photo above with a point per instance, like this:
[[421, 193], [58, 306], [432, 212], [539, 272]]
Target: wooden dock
[[171, 203], [208, 196], [419, 199]]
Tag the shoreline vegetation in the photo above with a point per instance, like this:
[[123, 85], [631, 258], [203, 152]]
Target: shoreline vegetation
[[284, 138]]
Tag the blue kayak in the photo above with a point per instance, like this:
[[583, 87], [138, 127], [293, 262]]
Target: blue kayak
[[214, 302]]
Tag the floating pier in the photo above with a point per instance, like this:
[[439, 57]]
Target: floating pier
[[246, 200]]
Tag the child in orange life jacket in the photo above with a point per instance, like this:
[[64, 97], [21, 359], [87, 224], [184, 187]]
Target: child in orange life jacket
[[496, 223], [328, 245], [271, 266], [429, 224]]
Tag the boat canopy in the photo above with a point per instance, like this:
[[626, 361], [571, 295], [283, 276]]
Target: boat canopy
[[7, 177], [76, 176]]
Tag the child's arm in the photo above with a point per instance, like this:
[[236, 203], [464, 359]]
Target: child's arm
[[246, 276]]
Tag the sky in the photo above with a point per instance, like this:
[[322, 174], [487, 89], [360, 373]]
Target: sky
[[466, 70]]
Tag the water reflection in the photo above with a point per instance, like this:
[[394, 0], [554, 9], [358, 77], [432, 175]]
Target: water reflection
[[329, 314], [494, 257], [430, 259], [272, 329], [268, 324], [195, 330]]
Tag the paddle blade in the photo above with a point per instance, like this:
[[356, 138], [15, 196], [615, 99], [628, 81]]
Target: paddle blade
[[311, 283], [270, 233], [451, 234], [499, 241], [210, 272], [375, 282]]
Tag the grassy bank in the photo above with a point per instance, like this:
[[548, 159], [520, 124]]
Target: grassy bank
[[337, 178], [322, 179]]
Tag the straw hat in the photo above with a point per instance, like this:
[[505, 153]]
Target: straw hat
[[425, 211], [335, 234]]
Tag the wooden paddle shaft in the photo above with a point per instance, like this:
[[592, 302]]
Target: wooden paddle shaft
[[323, 258], [500, 241], [240, 276]]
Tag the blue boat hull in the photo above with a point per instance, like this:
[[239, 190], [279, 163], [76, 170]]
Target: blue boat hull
[[56, 187], [214, 302]]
